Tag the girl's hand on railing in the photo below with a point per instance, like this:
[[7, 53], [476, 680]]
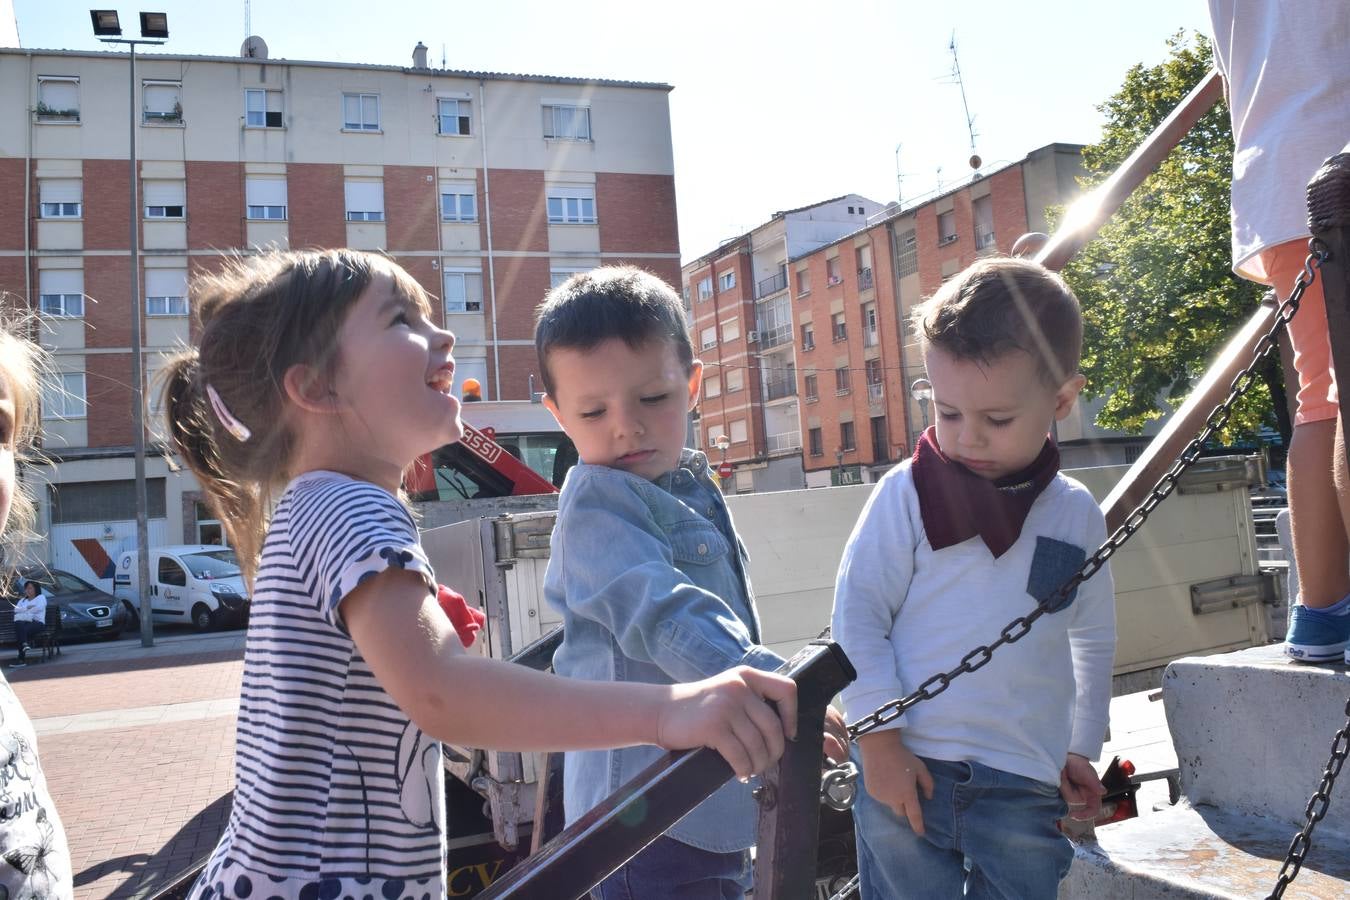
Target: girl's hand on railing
[[728, 713], [836, 736]]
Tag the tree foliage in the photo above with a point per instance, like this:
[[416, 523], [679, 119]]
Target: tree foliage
[[1159, 297]]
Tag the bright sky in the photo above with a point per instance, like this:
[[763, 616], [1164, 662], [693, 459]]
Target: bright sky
[[776, 104]]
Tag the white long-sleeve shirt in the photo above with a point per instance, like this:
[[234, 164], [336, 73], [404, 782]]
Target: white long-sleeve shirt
[[31, 609], [904, 612]]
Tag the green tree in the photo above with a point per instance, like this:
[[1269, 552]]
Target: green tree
[[1158, 293]]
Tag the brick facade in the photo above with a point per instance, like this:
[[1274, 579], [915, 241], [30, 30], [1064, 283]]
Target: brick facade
[[106, 213], [637, 213], [316, 204], [519, 214], [411, 207], [12, 223], [215, 205], [108, 382]]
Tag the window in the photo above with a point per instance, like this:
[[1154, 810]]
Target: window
[[846, 438], [881, 439], [265, 197], [459, 201], [163, 199], [739, 434], [705, 288], [61, 292], [808, 336], [714, 432], [360, 112], [560, 276], [816, 441], [712, 386], [841, 380], [707, 338], [906, 254], [571, 205], [565, 122], [870, 333], [262, 108], [946, 227], [983, 210], [735, 379], [170, 572], [832, 271], [803, 282], [452, 116], [63, 396], [59, 198], [58, 99], [727, 280], [731, 330], [162, 102], [365, 200], [838, 330], [463, 290], [166, 292], [874, 376], [812, 388]]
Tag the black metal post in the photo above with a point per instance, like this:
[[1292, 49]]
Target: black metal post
[[1329, 221], [789, 798], [586, 852]]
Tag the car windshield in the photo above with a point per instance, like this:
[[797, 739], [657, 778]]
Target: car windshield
[[213, 564], [67, 583]]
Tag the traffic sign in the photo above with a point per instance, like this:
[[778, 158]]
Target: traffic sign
[[724, 470]]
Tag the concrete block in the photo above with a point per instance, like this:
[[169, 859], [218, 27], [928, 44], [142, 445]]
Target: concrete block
[[1252, 732]]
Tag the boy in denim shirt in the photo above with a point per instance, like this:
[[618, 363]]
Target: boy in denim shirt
[[646, 567], [961, 794]]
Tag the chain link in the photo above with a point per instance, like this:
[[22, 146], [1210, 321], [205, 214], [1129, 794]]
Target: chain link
[[1018, 628]]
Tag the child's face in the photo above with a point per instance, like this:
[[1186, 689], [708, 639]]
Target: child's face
[[624, 408], [994, 418], [8, 433], [392, 388]]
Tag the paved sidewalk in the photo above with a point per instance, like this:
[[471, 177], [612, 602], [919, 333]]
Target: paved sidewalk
[[138, 746]]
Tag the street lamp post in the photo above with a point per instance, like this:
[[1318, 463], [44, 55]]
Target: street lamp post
[[921, 389], [722, 442], [154, 30], [839, 461]]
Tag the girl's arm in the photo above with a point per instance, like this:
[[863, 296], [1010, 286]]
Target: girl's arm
[[414, 653]]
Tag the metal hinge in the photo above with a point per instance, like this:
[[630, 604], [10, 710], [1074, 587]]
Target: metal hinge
[[522, 538], [1234, 592]]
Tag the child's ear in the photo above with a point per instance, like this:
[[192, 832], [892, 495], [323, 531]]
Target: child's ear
[[552, 407], [1067, 394], [695, 382], [307, 389]]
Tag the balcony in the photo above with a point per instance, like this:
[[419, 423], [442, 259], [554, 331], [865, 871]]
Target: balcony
[[870, 336], [771, 286], [772, 337], [984, 239], [875, 392], [778, 388], [864, 278], [787, 442]]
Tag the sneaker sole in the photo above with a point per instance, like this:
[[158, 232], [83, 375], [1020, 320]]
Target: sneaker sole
[[1311, 653]]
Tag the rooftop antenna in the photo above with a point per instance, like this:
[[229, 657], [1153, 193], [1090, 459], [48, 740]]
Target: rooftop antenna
[[248, 20], [442, 54], [975, 161], [899, 179]]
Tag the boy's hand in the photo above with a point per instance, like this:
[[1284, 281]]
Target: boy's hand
[[836, 736], [727, 713], [1081, 788], [894, 776]]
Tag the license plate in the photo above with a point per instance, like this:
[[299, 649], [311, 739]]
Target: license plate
[[104, 624]]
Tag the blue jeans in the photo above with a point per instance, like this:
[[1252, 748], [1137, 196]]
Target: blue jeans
[[24, 631], [987, 834], [670, 870]]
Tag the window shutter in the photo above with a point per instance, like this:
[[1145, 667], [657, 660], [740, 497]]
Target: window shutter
[[163, 193], [266, 191], [365, 196], [59, 190]]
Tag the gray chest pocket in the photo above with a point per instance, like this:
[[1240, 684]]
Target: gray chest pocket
[[698, 543], [1054, 563]]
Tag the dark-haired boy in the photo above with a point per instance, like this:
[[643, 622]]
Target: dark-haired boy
[[962, 793], [646, 566]]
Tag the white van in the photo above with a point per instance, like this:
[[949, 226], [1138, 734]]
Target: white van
[[197, 583]]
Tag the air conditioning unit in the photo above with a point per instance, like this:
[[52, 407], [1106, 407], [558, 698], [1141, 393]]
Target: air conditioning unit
[[752, 337]]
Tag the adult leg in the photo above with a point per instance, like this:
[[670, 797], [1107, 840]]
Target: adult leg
[[894, 863], [1321, 550], [1008, 830]]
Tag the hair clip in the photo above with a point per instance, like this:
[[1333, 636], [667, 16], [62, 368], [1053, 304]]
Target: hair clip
[[232, 425]]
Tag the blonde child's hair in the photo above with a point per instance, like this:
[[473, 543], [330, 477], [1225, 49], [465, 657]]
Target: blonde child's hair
[[22, 364], [258, 317]]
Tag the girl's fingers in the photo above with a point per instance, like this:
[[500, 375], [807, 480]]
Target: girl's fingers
[[770, 728], [749, 737], [734, 752], [779, 689], [925, 782]]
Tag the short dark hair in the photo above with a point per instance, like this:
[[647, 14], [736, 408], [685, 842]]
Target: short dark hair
[[1000, 304], [610, 302]]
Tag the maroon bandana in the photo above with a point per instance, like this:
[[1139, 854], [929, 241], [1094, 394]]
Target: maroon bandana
[[957, 504]]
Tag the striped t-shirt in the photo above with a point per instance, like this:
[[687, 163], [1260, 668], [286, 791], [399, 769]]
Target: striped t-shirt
[[337, 792]]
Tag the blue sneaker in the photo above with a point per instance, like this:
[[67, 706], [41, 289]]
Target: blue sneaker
[[1316, 636]]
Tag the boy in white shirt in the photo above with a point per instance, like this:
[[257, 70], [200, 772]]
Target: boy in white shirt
[[962, 793]]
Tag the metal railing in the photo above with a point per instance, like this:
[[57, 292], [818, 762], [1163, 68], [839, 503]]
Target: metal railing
[[875, 392], [771, 286], [778, 388], [772, 337], [864, 278], [783, 443]]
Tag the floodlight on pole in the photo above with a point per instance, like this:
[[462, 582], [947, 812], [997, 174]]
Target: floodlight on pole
[[154, 30]]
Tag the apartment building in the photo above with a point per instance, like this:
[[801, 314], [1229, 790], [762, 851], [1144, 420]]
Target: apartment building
[[842, 349], [488, 188], [741, 312]]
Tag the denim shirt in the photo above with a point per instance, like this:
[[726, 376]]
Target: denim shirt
[[650, 579]]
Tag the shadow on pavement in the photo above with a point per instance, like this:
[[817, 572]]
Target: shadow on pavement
[[63, 668], [151, 873]]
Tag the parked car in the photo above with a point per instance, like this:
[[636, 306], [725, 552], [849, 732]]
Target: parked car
[[197, 584], [86, 611]]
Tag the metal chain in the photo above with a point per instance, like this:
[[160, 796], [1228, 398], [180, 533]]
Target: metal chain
[[1018, 628], [1315, 811]]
